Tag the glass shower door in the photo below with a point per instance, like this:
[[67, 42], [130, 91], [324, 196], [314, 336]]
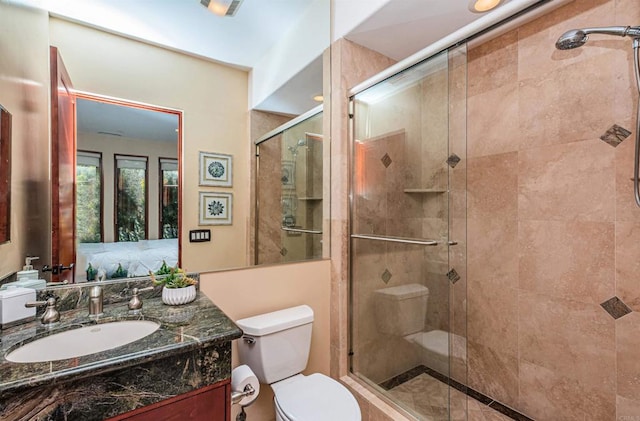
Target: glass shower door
[[403, 299], [289, 194]]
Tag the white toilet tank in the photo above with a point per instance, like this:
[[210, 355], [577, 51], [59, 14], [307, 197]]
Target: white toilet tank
[[276, 345], [401, 310]]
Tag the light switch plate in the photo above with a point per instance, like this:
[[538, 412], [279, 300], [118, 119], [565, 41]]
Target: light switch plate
[[199, 236]]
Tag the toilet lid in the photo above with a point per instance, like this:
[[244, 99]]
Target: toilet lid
[[317, 398]]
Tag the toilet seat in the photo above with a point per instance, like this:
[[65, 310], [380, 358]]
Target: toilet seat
[[315, 398]]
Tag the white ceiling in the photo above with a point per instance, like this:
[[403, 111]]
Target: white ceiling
[[397, 29], [186, 25], [403, 27], [121, 121]]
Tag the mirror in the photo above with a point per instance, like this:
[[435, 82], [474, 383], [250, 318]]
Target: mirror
[[5, 175], [127, 50], [127, 188]]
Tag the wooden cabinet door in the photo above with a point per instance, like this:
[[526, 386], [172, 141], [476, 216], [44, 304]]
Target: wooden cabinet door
[[211, 403]]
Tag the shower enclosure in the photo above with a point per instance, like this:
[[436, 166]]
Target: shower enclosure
[[289, 174], [408, 237]]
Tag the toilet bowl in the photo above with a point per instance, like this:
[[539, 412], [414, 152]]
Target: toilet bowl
[[276, 347]]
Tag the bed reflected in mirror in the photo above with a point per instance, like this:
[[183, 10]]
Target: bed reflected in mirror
[[127, 189], [5, 175]]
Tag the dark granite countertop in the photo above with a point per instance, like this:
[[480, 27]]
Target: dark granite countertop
[[183, 328]]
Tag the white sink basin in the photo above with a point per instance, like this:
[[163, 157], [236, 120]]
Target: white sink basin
[[83, 341]]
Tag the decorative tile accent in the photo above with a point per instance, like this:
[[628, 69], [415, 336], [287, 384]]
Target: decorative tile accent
[[386, 276], [453, 276], [386, 160], [453, 160], [615, 135], [615, 307], [283, 251]]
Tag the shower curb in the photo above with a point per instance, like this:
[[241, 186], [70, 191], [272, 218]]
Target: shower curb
[[480, 397]]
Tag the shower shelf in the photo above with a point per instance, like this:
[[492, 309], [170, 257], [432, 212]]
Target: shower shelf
[[424, 191], [310, 198]]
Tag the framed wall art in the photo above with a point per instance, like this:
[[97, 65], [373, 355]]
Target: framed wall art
[[216, 169], [215, 208]]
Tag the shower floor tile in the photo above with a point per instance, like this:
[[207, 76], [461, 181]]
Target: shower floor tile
[[412, 396]]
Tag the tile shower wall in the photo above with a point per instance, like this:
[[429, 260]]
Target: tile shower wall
[[299, 198], [552, 225], [269, 193], [261, 123]]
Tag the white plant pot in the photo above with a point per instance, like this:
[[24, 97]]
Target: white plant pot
[[177, 296]]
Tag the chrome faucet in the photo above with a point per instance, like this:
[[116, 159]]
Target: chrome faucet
[[96, 296]]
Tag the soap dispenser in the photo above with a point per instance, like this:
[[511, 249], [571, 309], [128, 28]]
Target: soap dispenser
[[27, 271], [27, 277]]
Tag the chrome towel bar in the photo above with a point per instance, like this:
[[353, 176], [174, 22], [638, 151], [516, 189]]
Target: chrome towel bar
[[395, 239]]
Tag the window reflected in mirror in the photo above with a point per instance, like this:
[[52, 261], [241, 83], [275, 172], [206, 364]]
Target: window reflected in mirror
[[131, 198], [5, 175], [169, 198], [89, 197]]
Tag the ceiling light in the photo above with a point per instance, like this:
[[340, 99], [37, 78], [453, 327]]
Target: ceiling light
[[318, 98], [222, 7], [481, 6]]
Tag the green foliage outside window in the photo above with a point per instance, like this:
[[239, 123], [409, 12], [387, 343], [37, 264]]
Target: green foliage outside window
[[88, 204], [130, 214], [169, 202]]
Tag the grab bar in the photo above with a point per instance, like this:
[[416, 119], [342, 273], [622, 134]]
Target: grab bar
[[396, 239], [300, 230]]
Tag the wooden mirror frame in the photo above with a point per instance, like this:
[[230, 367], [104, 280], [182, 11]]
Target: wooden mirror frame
[[5, 175]]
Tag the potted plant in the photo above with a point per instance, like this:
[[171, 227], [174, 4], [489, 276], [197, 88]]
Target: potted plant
[[92, 273], [119, 273], [177, 287]]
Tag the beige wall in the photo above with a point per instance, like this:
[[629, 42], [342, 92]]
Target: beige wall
[[24, 92], [109, 146], [214, 99], [248, 292]]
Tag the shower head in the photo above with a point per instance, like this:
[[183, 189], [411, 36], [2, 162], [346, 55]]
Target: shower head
[[572, 39], [578, 37], [294, 149]]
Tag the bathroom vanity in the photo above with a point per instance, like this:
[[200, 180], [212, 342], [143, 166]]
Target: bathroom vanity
[[180, 371]]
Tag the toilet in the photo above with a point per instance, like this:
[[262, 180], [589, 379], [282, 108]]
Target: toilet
[[276, 347], [408, 305], [401, 310]]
